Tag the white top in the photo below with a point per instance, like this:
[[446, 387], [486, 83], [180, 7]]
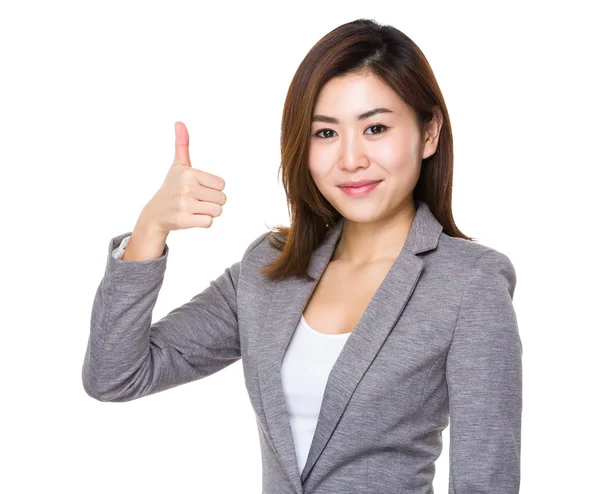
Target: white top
[[305, 369], [118, 252], [304, 372]]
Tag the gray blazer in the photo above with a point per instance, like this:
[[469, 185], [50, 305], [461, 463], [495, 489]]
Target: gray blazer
[[437, 344]]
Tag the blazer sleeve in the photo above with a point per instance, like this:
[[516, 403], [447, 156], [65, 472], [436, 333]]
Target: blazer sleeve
[[484, 378], [128, 356]]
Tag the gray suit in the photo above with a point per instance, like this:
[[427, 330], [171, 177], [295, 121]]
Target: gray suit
[[438, 341]]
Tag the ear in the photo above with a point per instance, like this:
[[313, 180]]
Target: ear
[[432, 133]]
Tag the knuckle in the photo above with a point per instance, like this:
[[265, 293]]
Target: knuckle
[[187, 187]]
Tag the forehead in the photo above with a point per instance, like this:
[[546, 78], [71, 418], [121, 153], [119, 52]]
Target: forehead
[[348, 95]]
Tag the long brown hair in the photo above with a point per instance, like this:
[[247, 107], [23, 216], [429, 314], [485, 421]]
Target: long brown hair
[[355, 47]]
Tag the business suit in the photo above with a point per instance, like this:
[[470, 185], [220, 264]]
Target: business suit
[[439, 337]]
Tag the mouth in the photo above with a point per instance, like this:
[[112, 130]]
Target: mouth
[[360, 190], [358, 183]]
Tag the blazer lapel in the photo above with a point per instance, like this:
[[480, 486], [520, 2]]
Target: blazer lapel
[[289, 299]]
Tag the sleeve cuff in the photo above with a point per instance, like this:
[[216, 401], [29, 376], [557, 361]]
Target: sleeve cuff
[[133, 272]]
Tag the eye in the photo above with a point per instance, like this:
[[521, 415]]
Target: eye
[[383, 127], [323, 130], [378, 125]]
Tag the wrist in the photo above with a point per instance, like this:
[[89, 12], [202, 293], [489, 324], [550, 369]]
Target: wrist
[[149, 228]]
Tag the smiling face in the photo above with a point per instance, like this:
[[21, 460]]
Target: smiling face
[[385, 146]]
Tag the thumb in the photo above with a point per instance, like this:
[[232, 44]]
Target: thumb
[[182, 145]]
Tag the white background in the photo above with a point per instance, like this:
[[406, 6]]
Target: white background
[[90, 92]]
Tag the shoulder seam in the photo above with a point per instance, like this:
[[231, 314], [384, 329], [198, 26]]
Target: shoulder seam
[[255, 243], [462, 297]]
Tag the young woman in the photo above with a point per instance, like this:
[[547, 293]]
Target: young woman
[[364, 328]]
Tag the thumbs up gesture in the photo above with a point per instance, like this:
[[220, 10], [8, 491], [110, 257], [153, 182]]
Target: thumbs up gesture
[[188, 197]]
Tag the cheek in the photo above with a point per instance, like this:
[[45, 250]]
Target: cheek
[[318, 164], [398, 154], [316, 174]]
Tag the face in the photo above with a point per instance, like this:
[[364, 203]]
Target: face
[[385, 146]]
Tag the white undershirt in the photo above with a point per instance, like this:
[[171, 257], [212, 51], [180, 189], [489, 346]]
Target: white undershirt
[[304, 372]]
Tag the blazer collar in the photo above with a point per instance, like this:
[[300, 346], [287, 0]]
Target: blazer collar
[[290, 297]]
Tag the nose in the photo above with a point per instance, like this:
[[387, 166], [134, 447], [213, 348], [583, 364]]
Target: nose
[[352, 154]]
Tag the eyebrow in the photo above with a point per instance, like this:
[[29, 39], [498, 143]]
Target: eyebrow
[[362, 116]]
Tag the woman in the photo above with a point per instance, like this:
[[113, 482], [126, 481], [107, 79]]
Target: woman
[[364, 328]]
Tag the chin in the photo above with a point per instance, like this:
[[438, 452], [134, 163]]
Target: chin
[[356, 215]]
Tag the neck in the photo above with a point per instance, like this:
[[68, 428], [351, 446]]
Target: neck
[[375, 241]]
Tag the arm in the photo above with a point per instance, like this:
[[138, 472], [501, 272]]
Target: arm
[[484, 377], [128, 357]]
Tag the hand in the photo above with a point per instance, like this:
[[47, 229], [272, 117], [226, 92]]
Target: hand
[[188, 197]]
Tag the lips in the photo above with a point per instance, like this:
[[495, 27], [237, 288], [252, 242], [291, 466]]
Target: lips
[[358, 183], [362, 190]]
